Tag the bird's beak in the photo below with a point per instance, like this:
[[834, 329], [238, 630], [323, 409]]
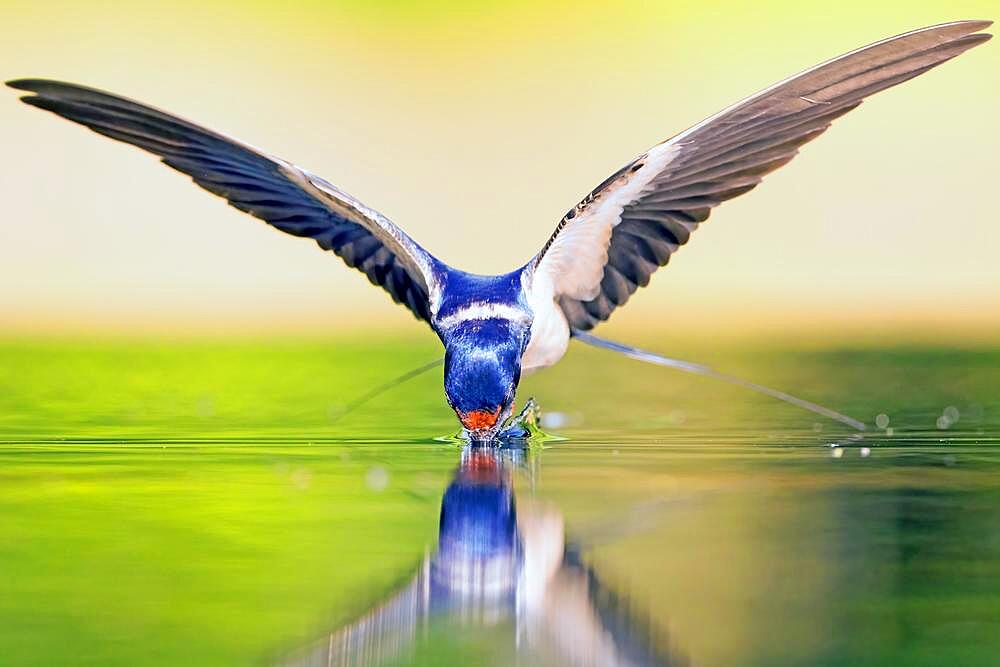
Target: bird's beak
[[479, 420]]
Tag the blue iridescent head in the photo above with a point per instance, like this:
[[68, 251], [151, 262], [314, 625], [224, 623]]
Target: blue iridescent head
[[482, 366]]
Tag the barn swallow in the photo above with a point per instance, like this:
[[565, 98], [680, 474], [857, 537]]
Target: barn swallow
[[495, 328]]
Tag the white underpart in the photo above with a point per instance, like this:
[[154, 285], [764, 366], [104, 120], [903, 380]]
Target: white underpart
[[484, 311], [549, 330]]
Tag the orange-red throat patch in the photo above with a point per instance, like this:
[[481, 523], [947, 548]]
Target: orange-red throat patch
[[479, 419]]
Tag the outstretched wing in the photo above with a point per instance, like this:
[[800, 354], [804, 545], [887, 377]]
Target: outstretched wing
[[281, 194], [610, 244]]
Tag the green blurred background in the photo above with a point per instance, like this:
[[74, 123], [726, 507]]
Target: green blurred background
[[475, 125], [178, 483]]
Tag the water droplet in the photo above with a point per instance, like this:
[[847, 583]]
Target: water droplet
[[377, 478], [553, 420], [890, 431], [952, 413], [882, 420], [205, 407], [865, 451], [837, 452], [943, 422], [301, 478]]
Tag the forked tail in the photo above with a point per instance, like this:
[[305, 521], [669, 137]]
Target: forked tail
[[699, 369]]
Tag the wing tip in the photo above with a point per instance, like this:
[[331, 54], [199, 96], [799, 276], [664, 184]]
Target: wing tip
[[23, 84], [35, 89], [971, 30], [976, 25], [978, 38], [30, 85], [55, 89], [969, 26]]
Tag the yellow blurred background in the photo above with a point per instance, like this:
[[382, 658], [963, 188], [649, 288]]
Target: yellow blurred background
[[475, 125]]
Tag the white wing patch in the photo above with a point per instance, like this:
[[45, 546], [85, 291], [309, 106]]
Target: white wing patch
[[574, 263]]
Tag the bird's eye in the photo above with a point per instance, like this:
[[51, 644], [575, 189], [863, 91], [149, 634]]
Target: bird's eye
[[571, 214]]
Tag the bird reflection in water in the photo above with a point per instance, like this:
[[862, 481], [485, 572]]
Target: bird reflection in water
[[500, 566]]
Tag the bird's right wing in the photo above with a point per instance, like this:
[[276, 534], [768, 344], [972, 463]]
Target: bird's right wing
[[283, 195], [609, 244]]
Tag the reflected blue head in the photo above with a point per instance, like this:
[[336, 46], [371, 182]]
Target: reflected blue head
[[477, 520]]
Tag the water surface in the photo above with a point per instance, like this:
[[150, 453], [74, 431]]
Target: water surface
[[209, 503]]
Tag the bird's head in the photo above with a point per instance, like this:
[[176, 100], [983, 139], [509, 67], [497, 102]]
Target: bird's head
[[482, 366]]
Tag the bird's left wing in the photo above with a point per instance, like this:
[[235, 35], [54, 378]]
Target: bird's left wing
[[283, 195], [610, 244]]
